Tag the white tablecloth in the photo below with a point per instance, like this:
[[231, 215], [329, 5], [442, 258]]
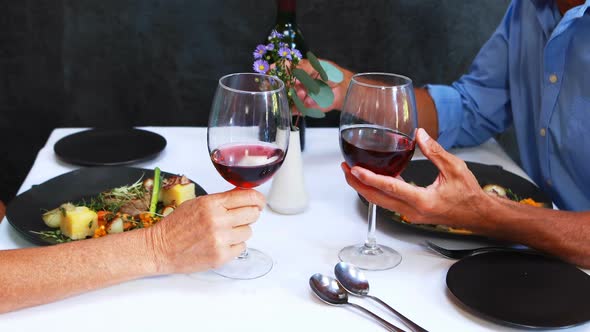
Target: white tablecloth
[[300, 245]]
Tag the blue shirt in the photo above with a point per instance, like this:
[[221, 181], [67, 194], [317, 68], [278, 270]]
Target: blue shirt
[[533, 72]]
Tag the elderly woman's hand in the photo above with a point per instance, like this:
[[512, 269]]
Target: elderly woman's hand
[[2, 210], [205, 232]]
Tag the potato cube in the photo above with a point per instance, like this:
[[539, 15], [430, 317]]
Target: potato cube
[[115, 226], [54, 217], [79, 223], [178, 194]]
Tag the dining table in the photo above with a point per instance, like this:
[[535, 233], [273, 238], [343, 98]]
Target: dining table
[[300, 245]]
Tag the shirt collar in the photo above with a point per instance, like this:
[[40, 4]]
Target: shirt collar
[[578, 10], [548, 16]]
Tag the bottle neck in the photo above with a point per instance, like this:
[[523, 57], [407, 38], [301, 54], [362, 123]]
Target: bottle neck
[[286, 11]]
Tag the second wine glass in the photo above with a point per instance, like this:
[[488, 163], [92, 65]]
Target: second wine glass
[[248, 136], [377, 128]]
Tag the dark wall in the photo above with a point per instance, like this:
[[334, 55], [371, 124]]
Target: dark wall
[[156, 62]]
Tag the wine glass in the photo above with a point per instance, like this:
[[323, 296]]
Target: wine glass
[[248, 136], [377, 132]]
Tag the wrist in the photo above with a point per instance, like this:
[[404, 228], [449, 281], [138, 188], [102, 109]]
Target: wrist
[[485, 212], [152, 247]]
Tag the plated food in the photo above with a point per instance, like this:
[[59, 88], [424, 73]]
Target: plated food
[[490, 189], [493, 179], [138, 205], [89, 191]]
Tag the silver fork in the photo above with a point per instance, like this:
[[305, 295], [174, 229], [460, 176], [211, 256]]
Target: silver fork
[[461, 253]]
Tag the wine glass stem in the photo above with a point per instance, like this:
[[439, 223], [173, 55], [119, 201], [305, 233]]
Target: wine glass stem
[[244, 254], [371, 242]]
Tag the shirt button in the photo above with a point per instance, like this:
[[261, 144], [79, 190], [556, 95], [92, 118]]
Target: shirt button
[[553, 78], [542, 132]]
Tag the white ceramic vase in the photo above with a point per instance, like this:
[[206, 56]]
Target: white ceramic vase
[[287, 194]]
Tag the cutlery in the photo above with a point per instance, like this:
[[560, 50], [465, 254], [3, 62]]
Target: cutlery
[[331, 292], [461, 253], [355, 282]]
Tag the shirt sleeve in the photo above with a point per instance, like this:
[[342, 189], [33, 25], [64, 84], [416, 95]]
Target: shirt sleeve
[[477, 106]]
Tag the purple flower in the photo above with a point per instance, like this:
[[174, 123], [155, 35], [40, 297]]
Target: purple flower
[[295, 52], [259, 52], [281, 45], [270, 47], [261, 66], [285, 52], [275, 34]]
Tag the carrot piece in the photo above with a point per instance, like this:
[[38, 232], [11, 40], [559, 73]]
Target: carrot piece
[[102, 215]]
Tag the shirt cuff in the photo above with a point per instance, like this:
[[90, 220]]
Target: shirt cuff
[[450, 113]]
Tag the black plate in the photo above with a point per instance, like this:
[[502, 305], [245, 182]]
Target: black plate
[[523, 289], [24, 212], [423, 173], [109, 147]]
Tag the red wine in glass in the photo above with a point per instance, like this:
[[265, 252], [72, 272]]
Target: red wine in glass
[[247, 139], [377, 127], [247, 165], [381, 150]]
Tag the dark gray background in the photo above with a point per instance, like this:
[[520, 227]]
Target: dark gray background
[[156, 62]]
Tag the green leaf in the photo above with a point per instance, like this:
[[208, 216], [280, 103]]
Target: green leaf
[[317, 66], [308, 82], [311, 112], [334, 74], [325, 96]]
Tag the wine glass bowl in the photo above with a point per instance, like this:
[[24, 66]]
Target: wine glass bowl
[[247, 137], [377, 132], [247, 165]]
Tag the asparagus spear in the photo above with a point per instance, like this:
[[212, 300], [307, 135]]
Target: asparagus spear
[[155, 190]]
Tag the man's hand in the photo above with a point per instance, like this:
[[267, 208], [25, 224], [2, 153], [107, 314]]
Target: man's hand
[[205, 232], [339, 89], [455, 198]]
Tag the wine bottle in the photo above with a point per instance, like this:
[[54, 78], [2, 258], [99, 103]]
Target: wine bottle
[[286, 24]]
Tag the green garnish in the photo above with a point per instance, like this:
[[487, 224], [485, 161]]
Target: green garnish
[[512, 196], [155, 190], [56, 235], [113, 200]]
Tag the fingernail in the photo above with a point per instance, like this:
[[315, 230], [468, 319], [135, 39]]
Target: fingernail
[[355, 172], [423, 135]]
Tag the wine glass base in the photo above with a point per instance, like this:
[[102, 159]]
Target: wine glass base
[[255, 265], [372, 259]]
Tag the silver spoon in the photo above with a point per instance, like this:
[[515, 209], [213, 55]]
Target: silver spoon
[[355, 282], [330, 291]]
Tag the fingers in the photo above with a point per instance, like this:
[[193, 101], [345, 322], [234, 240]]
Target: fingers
[[443, 160], [243, 216], [390, 185], [375, 195], [239, 234], [307, 100], [236, 249], [238, 198], [306, 66]]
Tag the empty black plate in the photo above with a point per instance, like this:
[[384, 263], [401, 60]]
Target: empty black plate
[[24, 212], [109, 147], [523, 289]]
